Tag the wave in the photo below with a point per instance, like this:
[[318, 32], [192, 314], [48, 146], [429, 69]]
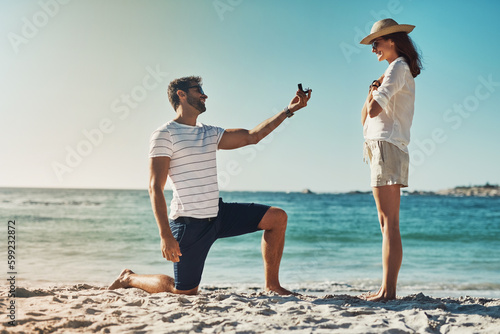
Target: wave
[[57, 203]]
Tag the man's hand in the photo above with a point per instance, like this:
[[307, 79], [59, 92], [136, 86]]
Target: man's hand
[[170, 248], [299, 101], [236, 138]]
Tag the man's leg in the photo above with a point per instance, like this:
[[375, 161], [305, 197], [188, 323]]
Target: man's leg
[[273, 240], [195, 237], [148, 283]]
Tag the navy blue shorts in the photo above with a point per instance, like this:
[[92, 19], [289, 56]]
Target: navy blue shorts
[[196, 236]]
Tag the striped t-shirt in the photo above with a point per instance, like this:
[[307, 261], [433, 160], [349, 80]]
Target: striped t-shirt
[[193, 169]]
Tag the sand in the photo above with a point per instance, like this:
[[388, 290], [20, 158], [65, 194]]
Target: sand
[[85, 308]]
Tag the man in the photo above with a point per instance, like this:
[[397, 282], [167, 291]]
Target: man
[[184, 151]]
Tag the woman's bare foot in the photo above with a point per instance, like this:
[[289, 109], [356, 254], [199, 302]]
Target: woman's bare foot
[[368, 295], [282, 291], [382, 295], [122, 281]]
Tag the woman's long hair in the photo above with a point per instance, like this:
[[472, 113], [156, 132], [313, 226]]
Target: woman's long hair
[[406, 48]]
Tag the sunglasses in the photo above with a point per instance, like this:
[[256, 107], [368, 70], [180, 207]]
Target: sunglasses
[[200, 90], [375, 43]]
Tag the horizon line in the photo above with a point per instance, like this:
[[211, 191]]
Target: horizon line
[[487, 184]]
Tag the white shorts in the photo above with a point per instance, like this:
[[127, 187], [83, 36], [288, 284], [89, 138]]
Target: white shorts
[[389, 165]]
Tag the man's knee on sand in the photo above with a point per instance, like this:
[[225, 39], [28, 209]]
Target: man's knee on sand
[[186, 292]]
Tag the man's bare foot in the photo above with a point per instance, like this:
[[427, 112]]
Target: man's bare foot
[[122, 281], [282, 291]]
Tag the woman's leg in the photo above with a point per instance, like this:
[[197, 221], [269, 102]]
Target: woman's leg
[[388, 200]]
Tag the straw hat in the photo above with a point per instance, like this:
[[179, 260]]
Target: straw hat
[[385, 27]]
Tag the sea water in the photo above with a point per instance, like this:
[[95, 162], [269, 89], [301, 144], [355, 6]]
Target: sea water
[[333, 241]]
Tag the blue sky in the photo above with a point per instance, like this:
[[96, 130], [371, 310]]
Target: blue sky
[[84, 86]]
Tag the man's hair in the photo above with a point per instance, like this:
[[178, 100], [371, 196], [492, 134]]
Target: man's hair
[[182, 84]]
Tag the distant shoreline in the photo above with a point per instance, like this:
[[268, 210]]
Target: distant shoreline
[[486, 190]]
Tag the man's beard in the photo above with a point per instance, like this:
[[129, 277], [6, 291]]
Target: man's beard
[[197, 104]]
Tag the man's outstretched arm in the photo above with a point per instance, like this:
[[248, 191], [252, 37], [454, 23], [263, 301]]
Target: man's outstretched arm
[[236, 138], [157, 179]]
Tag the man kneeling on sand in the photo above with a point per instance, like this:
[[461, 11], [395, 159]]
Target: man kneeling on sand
[[184, 152]]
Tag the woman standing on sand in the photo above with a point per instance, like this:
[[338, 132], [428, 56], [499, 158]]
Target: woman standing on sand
[[386, 117]]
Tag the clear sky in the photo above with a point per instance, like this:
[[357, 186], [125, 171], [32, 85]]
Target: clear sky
[[84, 84]]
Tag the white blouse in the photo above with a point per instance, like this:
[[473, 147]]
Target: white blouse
[[396, 96]]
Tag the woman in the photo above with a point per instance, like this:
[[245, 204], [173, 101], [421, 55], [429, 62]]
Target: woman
[[386, 117]]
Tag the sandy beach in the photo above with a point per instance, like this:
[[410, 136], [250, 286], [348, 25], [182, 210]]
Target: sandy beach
[[86, 308]]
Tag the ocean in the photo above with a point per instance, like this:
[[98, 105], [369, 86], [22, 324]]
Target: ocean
[[333, 242]]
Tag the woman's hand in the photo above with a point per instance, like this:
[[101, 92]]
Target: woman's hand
[[376, 84]]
